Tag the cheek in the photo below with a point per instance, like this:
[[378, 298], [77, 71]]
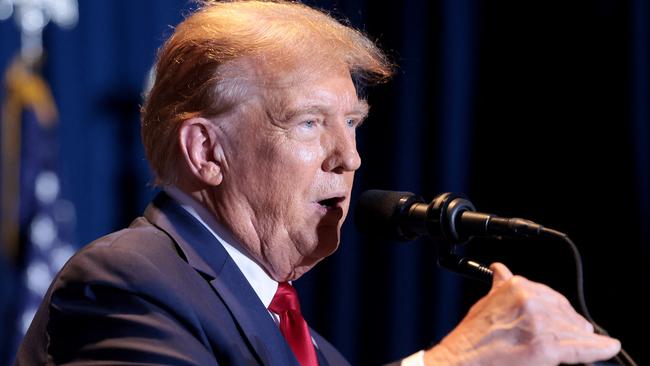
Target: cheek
[[287, 173], [300, 165], [306, 155]]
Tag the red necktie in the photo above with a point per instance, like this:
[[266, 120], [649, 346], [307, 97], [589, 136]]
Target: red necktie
[[292, 325]]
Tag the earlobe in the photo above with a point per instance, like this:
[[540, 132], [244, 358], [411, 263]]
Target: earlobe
[[211, 174], [198, 144]]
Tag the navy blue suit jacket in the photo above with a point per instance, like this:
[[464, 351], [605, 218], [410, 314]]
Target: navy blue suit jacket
[[162, 291]]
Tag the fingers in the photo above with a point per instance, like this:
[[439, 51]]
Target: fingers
[[554, 348], [534, 294], [589, 350], [524, 322], [501, 274], [552, 300], [547, 314]]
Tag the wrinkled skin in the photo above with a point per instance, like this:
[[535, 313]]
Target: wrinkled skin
[[520, 322], [264, 171]]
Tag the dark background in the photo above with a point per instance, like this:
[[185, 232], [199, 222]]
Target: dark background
[[535, 109]]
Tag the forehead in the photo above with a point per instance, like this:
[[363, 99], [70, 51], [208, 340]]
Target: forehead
[[329, 96], [329, 90], [283, 88]]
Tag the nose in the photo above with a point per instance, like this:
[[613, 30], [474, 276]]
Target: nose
[[342, 155]]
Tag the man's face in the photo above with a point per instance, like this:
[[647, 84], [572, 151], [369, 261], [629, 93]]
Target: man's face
[[290, 158]]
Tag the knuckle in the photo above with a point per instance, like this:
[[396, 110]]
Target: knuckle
[[573, 355], [518, 281], [563, 301], [542, 349], [524, 302], [536, 324]]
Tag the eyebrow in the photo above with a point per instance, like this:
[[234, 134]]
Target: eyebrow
[[360, 109]]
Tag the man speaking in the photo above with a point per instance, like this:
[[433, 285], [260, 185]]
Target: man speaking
[[250, 130]]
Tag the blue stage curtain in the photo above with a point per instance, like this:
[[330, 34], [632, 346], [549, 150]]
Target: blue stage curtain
[[535, 109]]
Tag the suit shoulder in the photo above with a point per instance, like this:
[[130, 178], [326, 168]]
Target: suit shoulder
[[133, 256], [140, 236]]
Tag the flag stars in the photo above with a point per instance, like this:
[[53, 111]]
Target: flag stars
[[47, 187]]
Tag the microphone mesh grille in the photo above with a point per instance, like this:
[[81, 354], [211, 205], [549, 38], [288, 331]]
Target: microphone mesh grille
[[377, 213]]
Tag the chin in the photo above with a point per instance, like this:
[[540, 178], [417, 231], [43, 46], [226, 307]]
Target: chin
[[300, 270], [325, 246], [328, 241]]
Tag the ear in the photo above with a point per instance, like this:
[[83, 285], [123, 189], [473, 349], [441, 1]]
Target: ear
[[199, 146]]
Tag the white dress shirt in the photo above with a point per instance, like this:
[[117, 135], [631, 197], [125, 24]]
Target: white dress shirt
[[263, 285]]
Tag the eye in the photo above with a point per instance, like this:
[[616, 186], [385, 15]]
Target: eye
[[352, 122], [310, 123]]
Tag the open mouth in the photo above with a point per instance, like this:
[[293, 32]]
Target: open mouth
[[331, 203]]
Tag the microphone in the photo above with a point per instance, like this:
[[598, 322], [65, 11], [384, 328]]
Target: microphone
[[451, 217], [404, 216]]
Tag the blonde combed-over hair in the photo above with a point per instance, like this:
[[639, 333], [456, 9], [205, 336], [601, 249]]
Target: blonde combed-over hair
[[189, 75]]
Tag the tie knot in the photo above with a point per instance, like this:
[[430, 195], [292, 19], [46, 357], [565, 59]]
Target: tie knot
[[285, 299]]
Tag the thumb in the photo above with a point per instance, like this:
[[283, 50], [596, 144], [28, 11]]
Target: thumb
[[501, 274]]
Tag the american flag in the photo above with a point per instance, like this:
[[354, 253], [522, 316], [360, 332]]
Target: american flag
[[37, 222]]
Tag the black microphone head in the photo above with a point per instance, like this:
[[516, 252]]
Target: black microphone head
[[380, 213]]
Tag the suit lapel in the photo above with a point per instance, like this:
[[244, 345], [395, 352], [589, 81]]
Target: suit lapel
[[257, 324], [327, 354], [204, 252], [322, 361]]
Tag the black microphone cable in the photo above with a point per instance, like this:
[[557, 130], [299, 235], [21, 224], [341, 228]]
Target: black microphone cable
[[477, 271], [622, 358], [453, 220]]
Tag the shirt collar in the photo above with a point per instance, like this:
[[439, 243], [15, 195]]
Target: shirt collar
[[263, 285]]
